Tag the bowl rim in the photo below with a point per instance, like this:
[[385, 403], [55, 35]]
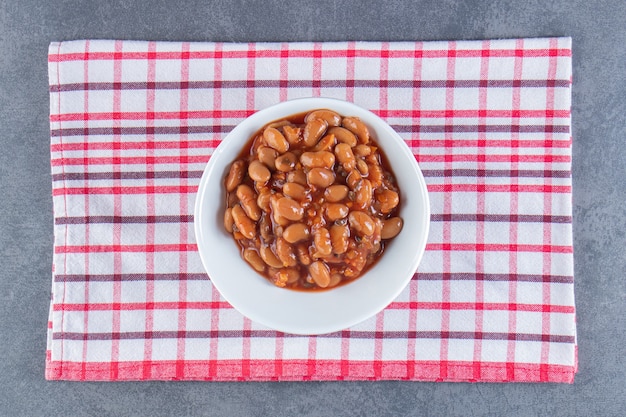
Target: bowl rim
[[300, 312]]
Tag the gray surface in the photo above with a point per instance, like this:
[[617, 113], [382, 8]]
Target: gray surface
[[598, 29]]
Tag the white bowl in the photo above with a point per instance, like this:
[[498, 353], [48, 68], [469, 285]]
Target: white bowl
[[317, 312]]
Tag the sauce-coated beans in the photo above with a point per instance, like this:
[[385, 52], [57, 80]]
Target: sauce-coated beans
[[311, 201], [235, 175], [320, 273], [344, 136], [391, 228], [336, 193], [296, 232], [247, 198], [295, 191], [356, 126], [320, 177], [267, 155], [313, 131], [331, 117], [320, 159], [258, 171], [275, 139]]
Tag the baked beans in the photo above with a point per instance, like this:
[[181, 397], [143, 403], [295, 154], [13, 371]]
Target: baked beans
[[311, 201]]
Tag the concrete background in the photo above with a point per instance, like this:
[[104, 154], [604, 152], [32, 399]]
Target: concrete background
[[598, 29]]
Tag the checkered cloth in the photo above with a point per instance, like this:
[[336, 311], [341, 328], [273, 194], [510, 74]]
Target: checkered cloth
[[134, 123]]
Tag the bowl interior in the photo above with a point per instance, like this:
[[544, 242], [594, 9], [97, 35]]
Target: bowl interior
[[310, 312]]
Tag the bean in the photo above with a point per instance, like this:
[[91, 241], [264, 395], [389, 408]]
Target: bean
[[313, 131], [252, 257], [273, 138], [228, 220], [263, 200], [353, 178], [391, 228], [361, 165], [280, 123], [343, 135], [326, 143], [292, 134], [356, 126], [278, 219], [243, 223], [267, 155], [335, 279], [375, 175], [320, 159], [235, 175], [286, 162], [285, 276], [285, 253], [388, 200], [336, 211], [258, 171], [363, 194], [361, 223], [320, 177], [302, 251], [296, 232], [298, 176], [321, 241], [269, 257], [320, 273], [292, 275], [295, 191], [247, 198], [336, 193], [289, 209], [332, 118], [339, 235], [373, 159], [265, 228], [362, 150], [345, 156]]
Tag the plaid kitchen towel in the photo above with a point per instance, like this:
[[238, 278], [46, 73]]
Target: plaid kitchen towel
[[134, 123]]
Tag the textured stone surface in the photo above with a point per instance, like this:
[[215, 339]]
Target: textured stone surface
[[599, 169]]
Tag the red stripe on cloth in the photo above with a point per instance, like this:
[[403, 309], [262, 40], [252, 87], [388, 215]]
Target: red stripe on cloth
[[242, 114], [164, 305], [488, 143], [350, 60], [547, 236], [93, 145], [119, 190], [325, 53], [184, 208], [423, 158], [513, 248], [117, 211], [480, 208], [499, 188], [296, 370], [117, 247], [151, 212], [447, 208], [396, 305], [117, 160], [480, 306], [87, 206]]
